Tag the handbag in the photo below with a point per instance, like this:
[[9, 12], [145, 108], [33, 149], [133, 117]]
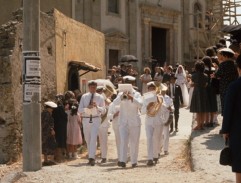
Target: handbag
[[225, 155]]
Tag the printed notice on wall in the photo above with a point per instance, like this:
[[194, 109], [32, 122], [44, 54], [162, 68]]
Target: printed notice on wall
[[30, 90], [33, 68]]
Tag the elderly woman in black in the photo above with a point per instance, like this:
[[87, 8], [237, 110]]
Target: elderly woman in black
[[48, 134], [226, 72], [212, 107], [231, 126], [198, 103]]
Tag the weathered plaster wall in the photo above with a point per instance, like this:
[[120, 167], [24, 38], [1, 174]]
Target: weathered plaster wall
[[77, 42]]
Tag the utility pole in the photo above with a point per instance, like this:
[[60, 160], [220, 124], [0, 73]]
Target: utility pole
[[198, 24], [31, 87]]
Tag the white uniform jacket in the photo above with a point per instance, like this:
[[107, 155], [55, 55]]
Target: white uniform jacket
[[156, 120], [129, 110], [85, 101], [165, 112], [111, 111]]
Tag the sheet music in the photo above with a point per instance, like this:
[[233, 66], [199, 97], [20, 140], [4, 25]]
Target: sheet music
[[93, 111]]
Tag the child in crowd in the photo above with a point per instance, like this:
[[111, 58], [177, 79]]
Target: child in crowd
[[74, 137]]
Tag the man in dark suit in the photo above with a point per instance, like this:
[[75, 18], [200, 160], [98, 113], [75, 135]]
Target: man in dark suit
[[175, 93]]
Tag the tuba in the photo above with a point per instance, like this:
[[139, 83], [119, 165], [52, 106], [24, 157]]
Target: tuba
[[109, 91], [153, 107]]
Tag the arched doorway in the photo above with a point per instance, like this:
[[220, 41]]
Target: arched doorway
[[74, 74], [73, 79]]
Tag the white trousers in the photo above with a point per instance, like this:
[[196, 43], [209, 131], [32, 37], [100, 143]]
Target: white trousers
[[129, 134], [153, 133], [91, 133], [103, 137], [165, 138], [115, 127]]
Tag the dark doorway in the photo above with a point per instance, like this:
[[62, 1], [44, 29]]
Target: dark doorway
[[159, 45], [73, 79], [113, 58]]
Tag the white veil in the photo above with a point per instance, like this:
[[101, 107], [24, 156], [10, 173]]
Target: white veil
[[183, 71]]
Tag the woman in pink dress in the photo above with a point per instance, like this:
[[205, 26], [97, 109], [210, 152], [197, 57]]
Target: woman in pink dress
[[74, 137]]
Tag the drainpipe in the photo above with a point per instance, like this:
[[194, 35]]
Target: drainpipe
[[73, 9]]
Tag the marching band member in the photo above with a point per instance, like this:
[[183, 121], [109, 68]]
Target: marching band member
[[129, 120], [105, 124], [167, 118], [91, 107], [153, 124], [112, 115]]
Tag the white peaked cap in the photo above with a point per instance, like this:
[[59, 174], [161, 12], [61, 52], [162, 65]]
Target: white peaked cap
[[130, 78], [151, 83], [228, 50], [50, 104]]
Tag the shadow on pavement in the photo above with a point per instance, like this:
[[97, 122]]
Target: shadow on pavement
[[214, 142]]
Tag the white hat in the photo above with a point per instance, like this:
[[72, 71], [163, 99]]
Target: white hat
[[163, 87], [50, 104], [228, 50], [152, 83], [129, 78], [100, 87], [92, 82]]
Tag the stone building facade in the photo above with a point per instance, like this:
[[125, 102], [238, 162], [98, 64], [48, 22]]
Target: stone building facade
[[162, 30], [67, 49]]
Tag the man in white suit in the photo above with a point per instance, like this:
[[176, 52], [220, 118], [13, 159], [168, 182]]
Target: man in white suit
[[113, 113], [129, 124], [91, 107], [153, 125]]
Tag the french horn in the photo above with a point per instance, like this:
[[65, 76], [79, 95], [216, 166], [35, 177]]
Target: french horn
[[153, 107]]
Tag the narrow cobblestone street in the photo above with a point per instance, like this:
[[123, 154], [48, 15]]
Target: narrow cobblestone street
[[171, 168]]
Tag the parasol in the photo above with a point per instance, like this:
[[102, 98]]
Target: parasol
[[128, 58]]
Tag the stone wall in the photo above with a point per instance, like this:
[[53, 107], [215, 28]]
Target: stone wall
[[10, 129], [11, 36]]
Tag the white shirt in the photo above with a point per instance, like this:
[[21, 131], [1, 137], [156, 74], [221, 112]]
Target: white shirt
[[172, 90], [167, 102], [129, 110], [85, 101]]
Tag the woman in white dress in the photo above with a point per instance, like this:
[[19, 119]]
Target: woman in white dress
[[181, 81], [145, 78]]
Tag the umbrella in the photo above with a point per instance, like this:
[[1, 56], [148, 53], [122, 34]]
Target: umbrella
[[128, 58], [232, 29]]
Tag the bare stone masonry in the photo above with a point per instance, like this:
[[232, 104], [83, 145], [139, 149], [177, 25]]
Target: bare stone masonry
[[10, 128], [61, 41]]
